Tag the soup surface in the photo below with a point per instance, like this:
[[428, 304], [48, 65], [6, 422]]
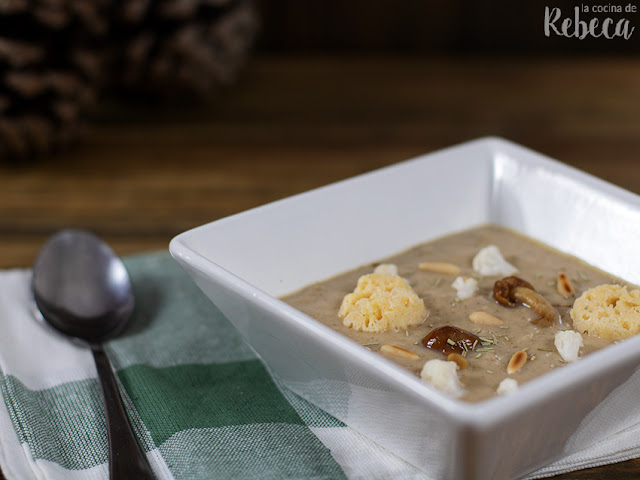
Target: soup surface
[[538, 264]]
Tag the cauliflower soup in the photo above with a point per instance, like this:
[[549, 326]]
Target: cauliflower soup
[[476, 313]]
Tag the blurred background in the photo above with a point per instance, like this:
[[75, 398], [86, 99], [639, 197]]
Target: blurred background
[[208, 108]]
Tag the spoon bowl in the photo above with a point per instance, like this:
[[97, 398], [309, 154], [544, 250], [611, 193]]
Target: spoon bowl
[[83, 290], [81, 287]]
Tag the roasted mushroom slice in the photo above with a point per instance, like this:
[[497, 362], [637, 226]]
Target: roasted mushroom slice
[[503, 290], [510, 291], [449, 339]]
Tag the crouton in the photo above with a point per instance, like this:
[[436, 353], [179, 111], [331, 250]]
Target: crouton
[[489, 262], [382, 301], [443, 375], [568, 344], [465, 286], [607, 311]]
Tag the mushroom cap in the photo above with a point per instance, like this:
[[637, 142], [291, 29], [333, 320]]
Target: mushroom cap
[[503, 290]]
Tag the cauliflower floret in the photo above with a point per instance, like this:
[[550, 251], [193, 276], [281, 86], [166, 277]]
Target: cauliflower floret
[[568, 344], [386, 268], [465, 286], [607, 311], [507, 385], [489, 261], [382, 301], [443, 375]]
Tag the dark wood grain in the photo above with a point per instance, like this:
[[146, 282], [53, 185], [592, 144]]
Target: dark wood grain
[[143, 174]]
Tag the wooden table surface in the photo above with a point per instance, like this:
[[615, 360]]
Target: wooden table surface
[[142, 175]]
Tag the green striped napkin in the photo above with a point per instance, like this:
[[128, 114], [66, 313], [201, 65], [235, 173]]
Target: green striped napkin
[[201, 402]]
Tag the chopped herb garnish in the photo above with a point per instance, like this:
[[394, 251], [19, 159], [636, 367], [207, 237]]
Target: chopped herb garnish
[[532, 358], [450, 342], [370, 344], [489, 371], [504, 326], [478, 355], [545, 350]]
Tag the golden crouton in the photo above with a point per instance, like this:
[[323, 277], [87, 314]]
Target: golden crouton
[[607, 311], [382, 301]]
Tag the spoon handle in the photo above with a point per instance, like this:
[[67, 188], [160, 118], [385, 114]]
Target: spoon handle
[[126, 458]]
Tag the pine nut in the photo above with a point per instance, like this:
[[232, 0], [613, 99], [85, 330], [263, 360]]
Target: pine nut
[[398, 352], [517, 361], [564, 285], [440, 267], [485, 318]]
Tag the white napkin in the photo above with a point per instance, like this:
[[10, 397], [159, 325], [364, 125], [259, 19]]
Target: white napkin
[[43, 361]]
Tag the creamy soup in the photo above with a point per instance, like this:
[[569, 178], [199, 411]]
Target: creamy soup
[[487, 362]]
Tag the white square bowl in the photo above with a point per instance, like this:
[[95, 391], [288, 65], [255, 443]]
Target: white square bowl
[[246, 261]]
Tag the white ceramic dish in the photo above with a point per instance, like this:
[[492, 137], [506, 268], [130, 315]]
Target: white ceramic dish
[[244, 262]]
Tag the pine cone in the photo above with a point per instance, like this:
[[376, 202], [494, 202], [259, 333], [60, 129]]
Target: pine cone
[[178, 48], [50, 68]]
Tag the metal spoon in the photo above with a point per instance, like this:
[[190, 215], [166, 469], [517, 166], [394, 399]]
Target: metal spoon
[[83, 290]]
